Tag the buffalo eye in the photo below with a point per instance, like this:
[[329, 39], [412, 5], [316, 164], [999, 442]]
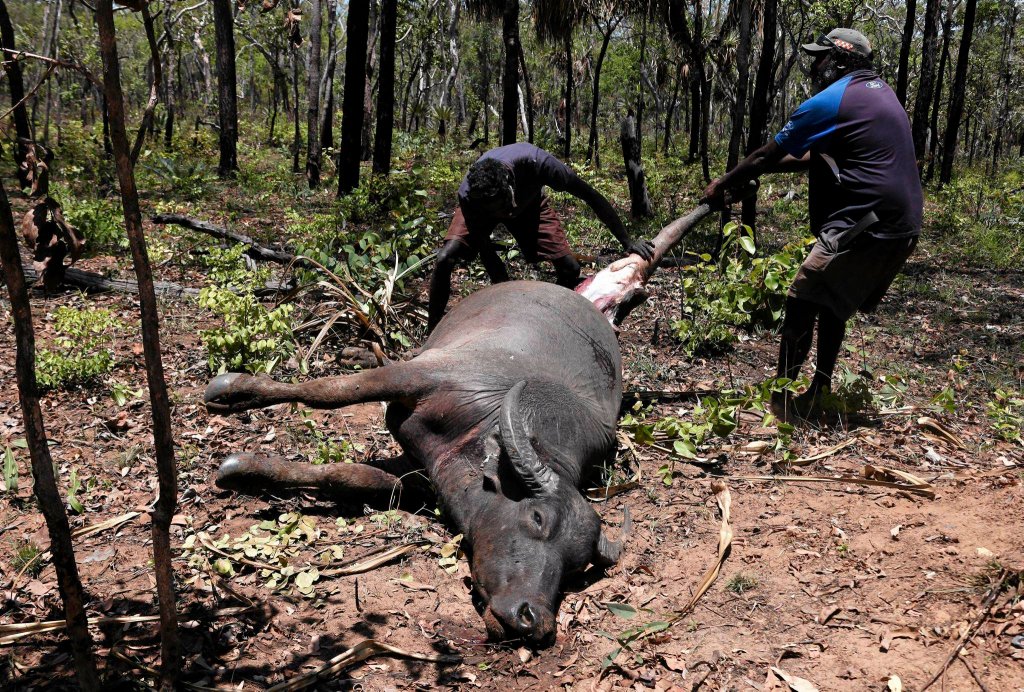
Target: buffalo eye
[[538, 519]]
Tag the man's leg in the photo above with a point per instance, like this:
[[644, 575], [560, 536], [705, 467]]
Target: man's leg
[[441, 280], [567, 271], [496, 270], [797, 334], [831, 331]]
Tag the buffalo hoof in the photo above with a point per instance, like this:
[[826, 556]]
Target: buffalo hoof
[[232, 392], [243, 471]]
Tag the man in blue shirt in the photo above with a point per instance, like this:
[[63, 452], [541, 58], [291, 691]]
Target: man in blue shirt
[[864, 198], [506, 186]]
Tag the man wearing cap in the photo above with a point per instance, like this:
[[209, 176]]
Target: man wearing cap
[[864, 198], [506, 186]]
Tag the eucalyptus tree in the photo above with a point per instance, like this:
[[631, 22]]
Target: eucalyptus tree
[[926, 81], [227, 97], [357, 30], [956, 96], [313, 96]]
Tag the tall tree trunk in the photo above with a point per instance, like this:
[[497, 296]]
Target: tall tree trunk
[[639, 201], [739, 111], [327, 123], [760, 102], [947, 34], [927, 81], [592, 143], [357, 30], [641, 64], [567, 139], [385, 128], [529, 95], [1003, 115], [905, 45], [313, 96], [52, 51], [227, 103], [670, 112], [510, 76], [45, 486], [296, 131], [17, 88], [956, 96], [366, 134], [163, 438]]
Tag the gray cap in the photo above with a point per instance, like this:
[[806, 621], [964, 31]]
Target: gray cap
[[846, 40]]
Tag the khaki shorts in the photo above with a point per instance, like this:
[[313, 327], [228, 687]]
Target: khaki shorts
[[538, 233], [853, 279]]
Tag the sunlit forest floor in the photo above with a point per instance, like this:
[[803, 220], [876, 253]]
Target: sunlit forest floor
[[847, 586]]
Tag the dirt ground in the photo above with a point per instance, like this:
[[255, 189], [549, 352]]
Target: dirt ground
[[843, 585]]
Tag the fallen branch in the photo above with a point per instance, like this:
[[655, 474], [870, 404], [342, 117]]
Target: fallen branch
[[13, 632], [360, 652], [90, 282], [256, 251], [873, 475], [806, 461]]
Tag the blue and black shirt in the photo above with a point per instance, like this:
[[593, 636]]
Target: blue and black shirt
[[862, 157]]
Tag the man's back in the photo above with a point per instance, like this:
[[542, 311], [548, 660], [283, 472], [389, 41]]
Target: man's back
[[862, 156]]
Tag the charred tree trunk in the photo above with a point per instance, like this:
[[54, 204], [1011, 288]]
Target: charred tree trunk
[[366, 134], [933, 145], [905, 46], [385, 129], [592, 143], [927, 83], [510, 76], [327, 123], [1006, 67], [313, 96], [739, 111], [956, 95], [296, 131], [760, 103], [154, 87], [17, 87], [529, 95], [639, 201], [45, 487], [227, 103], [567, 138], [670, 112], [352, 101], [163, 438]]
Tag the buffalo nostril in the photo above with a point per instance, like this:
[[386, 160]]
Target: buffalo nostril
[[525, 616]]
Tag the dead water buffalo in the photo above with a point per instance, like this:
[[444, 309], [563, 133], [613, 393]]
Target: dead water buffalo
[[511, 400]]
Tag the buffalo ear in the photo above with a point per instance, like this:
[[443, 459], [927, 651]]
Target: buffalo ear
[[606, 552], [537, 477], [489, 466]]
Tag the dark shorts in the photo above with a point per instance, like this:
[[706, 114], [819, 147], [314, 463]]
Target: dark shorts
[[853, 279], [538, 233]]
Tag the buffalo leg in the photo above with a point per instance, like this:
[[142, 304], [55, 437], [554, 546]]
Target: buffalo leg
[[239, 392], [254, 472]]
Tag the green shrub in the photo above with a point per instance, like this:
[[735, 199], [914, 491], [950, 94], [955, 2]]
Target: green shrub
[[101, 221], [253, 339], [80, 353], [181, 175], [743, 291], [1006, 412]]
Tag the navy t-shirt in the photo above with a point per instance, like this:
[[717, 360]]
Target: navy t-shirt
[[532, 169], [862, 157]]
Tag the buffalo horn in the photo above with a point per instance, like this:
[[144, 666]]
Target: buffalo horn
[[609, 552], [538, 478]]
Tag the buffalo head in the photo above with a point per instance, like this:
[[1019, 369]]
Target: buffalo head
[[534, 529]]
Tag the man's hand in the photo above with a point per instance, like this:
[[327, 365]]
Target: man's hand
[[644, 248], [713, 192]]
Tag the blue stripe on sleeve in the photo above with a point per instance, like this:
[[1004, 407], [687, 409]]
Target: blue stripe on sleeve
[[815, 118]]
